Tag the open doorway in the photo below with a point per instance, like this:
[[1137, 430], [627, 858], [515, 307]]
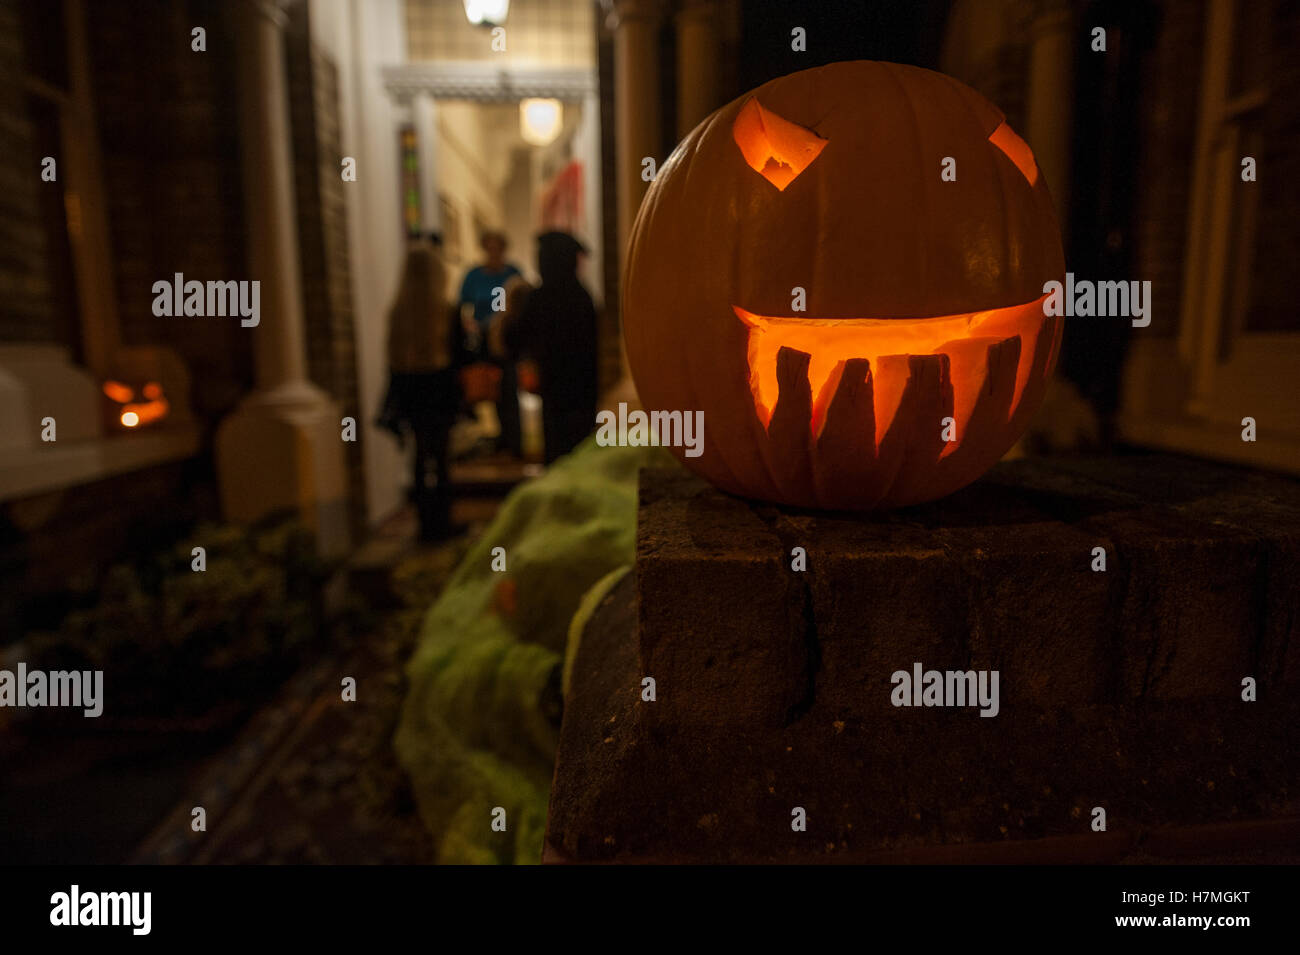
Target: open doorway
[[498, 118], [514, 169]]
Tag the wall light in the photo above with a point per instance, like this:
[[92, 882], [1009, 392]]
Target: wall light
[[491, 13], [540, 120]]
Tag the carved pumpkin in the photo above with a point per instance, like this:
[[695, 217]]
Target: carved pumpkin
[[922, 316], [129, 407]]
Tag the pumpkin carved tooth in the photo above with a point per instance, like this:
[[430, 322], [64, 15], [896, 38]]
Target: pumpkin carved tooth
[[887, 346]]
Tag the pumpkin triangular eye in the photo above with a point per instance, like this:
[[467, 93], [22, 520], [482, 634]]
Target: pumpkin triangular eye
[[776, 148], [1017, 150]]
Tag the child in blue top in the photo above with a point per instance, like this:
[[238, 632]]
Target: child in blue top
[[478, 290]]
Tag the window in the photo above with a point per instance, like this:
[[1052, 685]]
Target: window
[[1238, 343]]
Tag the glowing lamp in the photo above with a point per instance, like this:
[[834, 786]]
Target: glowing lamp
[[490, 13], [540, 120], [844, 270]]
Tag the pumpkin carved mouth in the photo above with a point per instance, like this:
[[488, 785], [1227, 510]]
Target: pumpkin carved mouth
[[950, 365]]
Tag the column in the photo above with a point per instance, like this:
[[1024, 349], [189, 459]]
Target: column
[[698, 41], [637, 110], [587, 148], [281, 449], [1048, 116], [424, 117], [101, 337]]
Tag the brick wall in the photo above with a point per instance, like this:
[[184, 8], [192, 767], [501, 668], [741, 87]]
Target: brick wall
[[323, 238], [168, 131], [26, 303]]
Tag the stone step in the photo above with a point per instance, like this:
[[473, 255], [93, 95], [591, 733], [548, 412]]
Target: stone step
[[1118, 690]]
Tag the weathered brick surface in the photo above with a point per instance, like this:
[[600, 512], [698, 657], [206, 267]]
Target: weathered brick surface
[[1195, 595], [754, 660], [1020, 787], [1118, 689]]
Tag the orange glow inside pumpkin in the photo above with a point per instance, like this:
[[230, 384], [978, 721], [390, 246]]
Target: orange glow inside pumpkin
[[134, 413], [116, 391], [775, 148], [144, 412], [887, 344], [1017, 150]]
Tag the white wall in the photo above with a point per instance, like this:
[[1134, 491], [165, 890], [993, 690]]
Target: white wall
[[481, 164], [579, 140], [471, 169], [362, 36], [519, 202]]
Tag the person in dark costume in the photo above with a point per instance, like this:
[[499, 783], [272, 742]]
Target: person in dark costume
[[556, 329], [426, 350]]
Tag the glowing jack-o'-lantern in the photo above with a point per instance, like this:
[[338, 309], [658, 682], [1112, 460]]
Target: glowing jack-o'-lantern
[[844, 270], [133, 408]]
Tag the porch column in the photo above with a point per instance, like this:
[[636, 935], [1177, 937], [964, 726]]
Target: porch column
[[698, 42], [424, 117], [281, 449], [638, 113], [1048, 116]]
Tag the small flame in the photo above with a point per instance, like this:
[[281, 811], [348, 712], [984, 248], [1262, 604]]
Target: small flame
[[130, 419]]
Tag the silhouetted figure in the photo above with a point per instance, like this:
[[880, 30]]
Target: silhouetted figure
[[477, 291], [557, 330], [426, 349], [517, 292]]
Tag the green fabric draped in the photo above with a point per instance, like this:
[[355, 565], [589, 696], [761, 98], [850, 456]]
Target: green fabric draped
[[480, 722]]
